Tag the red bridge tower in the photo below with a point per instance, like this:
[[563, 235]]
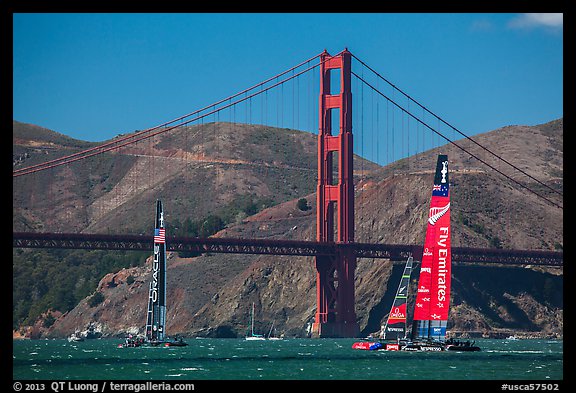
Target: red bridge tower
[[335, 313]]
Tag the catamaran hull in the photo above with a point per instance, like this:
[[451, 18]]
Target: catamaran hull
[[414, 347], [463, 348], [410, 347], [367, 345], [175, 344], [423, 348], [132, 343]]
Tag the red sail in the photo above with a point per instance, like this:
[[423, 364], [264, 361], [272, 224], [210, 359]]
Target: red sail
[[397, 315], [433, 293], [441, 269], [422, 305]]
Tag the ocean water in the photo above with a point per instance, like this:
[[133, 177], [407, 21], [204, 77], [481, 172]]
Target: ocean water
[[288, 359]]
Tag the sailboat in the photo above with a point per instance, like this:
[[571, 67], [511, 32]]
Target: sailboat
[[273, 337], [156, 316], [432, 303], [253, 336], [433, 294], [395, 328], [155, 331]]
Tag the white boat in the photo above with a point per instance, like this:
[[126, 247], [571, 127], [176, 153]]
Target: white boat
[[255, 337], [271, 337]]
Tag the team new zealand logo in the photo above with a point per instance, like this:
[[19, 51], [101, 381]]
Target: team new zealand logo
[[436, 213]]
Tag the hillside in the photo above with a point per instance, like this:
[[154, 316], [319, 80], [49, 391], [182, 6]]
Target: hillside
[[210, 295], [200, 170]]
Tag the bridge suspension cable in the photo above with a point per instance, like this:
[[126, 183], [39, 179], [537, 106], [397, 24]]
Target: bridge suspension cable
[[404, 110], [455, 129], [165, 127], [217, 107]]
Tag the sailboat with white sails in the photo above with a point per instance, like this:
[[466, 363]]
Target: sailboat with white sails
[[271, 336]]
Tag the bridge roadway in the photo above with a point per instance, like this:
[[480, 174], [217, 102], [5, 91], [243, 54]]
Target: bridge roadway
[[395, 252]]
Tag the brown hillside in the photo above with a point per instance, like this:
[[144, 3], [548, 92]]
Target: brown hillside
[[210, 295], [198, 170]]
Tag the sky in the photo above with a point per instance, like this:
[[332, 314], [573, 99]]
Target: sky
[[92, 76]]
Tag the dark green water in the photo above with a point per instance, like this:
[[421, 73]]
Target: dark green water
[[289, 359]]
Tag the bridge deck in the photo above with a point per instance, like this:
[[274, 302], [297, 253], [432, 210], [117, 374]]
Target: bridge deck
[[279, 247]]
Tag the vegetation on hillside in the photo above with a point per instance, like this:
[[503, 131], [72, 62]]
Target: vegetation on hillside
[[58, 279], [78, 272]]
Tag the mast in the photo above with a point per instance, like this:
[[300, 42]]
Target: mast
[[149, 314], [395, 327], [433, 295], [252, 320], [156, 317]]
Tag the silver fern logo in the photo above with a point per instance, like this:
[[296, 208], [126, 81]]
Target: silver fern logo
[[436, 213]]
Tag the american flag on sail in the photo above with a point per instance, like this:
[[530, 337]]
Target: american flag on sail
[[159, 235]]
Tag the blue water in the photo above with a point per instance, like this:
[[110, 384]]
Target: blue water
[[288, 359]]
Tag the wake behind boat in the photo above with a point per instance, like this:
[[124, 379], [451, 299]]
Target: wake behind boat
[[432, 303]]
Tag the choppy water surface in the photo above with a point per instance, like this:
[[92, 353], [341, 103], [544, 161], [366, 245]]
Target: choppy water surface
[[289, 359]]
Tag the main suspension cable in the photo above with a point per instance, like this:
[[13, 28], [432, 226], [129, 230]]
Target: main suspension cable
[[142, 134], [455, 129], [452, 142]]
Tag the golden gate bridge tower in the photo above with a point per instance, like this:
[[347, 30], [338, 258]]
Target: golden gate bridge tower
[[335, 314]]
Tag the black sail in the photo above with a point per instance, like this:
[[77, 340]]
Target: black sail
[[395, 327], [156, 315]]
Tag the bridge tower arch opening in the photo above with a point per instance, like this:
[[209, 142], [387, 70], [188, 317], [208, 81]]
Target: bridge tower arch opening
[[335, 311]]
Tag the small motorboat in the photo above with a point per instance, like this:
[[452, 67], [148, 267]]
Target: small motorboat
[[176, 343], [461, 346]]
